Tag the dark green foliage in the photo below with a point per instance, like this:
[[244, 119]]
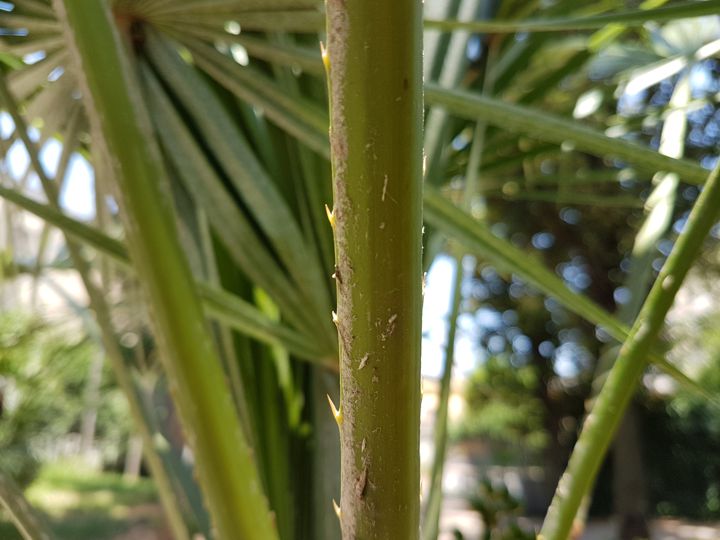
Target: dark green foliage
[[42, 381], [499, 511], [502, 406], [682, 452]]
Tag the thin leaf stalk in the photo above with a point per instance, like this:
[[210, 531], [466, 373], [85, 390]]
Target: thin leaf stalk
[[70, 138], [431, 523], [659, 209], [374, 62], [224, 462], [602, 422]]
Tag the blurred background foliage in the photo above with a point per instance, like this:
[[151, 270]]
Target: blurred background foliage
[[44, 373]]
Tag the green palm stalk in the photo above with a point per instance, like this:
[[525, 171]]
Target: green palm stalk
[[374, 64], [224, 462], [602, 422]]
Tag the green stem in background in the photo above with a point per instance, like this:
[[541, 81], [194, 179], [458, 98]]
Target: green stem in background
[[224, 463], [103, 318], [601, 424], [374, 63], [659, 209], [431, 523], [451, 74], [69, 136]]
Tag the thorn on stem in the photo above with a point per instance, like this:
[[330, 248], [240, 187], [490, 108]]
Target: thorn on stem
[[337, 509], [325, 57], [330, 216], [335, 412]]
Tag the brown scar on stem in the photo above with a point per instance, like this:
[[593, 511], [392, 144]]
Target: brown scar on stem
[[361, 483]]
